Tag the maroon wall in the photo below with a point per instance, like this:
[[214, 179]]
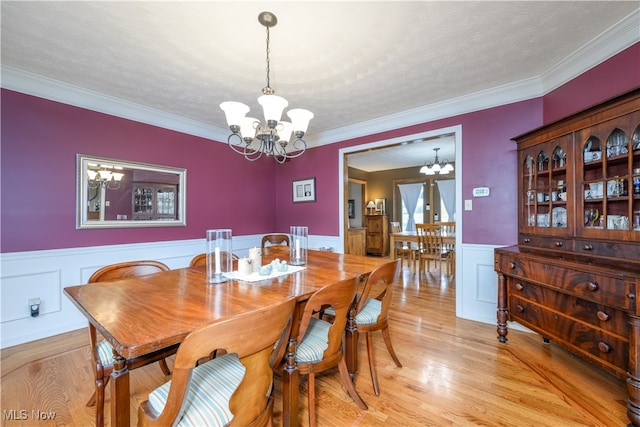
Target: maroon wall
[[489, 159], [614, 76], [40, 140]]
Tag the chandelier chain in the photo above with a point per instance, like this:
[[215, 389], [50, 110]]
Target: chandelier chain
[[267, 90]]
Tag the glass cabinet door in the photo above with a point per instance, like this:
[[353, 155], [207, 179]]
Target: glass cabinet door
[[609, 179], [546, 175]]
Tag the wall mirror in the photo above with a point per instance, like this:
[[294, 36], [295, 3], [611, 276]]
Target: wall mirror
[[115, 193]]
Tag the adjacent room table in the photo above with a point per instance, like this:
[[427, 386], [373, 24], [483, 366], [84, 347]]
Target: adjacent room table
[[144, 314]]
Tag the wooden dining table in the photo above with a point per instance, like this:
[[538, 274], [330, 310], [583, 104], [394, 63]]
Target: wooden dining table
[[146, 314]]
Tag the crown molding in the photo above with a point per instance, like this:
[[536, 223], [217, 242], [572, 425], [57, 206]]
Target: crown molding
[[54, 90], [612, 41]]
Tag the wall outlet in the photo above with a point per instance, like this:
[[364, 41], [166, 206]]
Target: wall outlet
[[34, 306]]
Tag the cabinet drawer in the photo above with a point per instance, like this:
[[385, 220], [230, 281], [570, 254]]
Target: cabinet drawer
[[609, 350], [556, 243], [600, 316], [616, 250], [597, 288]]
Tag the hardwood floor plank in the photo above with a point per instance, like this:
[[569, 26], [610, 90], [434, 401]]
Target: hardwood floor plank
[[454, 373]]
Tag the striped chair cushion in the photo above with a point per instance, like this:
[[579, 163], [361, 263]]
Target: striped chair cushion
[[105, 353], [314, 343], [210, 389], [370, 312], [329, 311]]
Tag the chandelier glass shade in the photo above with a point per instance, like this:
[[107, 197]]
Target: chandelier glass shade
[[437, 167], [273, 137]]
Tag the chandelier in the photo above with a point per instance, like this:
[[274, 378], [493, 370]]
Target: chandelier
[[104, 176], [436, 167], [252, 138]]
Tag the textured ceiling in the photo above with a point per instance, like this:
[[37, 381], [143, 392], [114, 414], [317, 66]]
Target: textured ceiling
[[348, 62]]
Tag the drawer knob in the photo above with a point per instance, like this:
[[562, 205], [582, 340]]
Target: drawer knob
[[604, 347], [527, 240], [603, 316], [520, 308], [557, 244], [592, 286], [587, 247], [512, 265], [519, 286]]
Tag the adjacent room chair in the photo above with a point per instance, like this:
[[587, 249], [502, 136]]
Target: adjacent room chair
[[429, 247], [319, 343], [449, 228], [372, 313], [231, 390], [269, 240], [101, 351], [402, 250]]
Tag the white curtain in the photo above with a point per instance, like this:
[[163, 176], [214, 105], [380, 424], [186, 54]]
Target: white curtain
[[410, 194], [447, 190]]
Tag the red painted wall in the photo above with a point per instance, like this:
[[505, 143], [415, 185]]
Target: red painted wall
[[489, 159], [224, 190], [40, 139], [615, 76]]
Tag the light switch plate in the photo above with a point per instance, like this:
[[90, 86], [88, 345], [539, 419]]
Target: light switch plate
[[468, 205]]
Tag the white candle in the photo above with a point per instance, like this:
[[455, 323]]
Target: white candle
[[297, 248], [244, 266], [217, 256]]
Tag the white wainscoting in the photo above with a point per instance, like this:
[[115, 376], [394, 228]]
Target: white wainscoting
[[477, 284], [44, 274]]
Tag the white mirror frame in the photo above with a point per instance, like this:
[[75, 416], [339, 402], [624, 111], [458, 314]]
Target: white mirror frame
[[82, 192]]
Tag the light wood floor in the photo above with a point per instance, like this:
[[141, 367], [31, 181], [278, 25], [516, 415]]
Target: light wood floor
[[455, 372]]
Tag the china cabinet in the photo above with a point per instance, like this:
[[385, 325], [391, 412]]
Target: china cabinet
[[377, 234], [153, 201], [575, 273]]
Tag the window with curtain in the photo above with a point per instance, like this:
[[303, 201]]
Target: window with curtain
[[412, 196], [447, 189]]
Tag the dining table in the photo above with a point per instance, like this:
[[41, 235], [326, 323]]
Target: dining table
[[141, 315]]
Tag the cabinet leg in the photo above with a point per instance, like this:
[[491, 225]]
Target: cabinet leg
[[503, 312]]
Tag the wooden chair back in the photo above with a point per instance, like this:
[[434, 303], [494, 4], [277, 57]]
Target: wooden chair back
[[274, 239], [379, 282], [448, 227], [429, 240], [340, 296], [252, 336], [200, 260], [127, 269]]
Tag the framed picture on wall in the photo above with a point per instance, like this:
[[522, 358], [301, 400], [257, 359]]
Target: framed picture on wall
[[351, 208], [380, 206], [304, 190]]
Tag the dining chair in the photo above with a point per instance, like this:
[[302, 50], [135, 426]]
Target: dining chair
[[269, 240], [372, 312], [102, 351], [200, 260], [231, 390], [319, 344], [402, 250], [429, 247], [449, 228]]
